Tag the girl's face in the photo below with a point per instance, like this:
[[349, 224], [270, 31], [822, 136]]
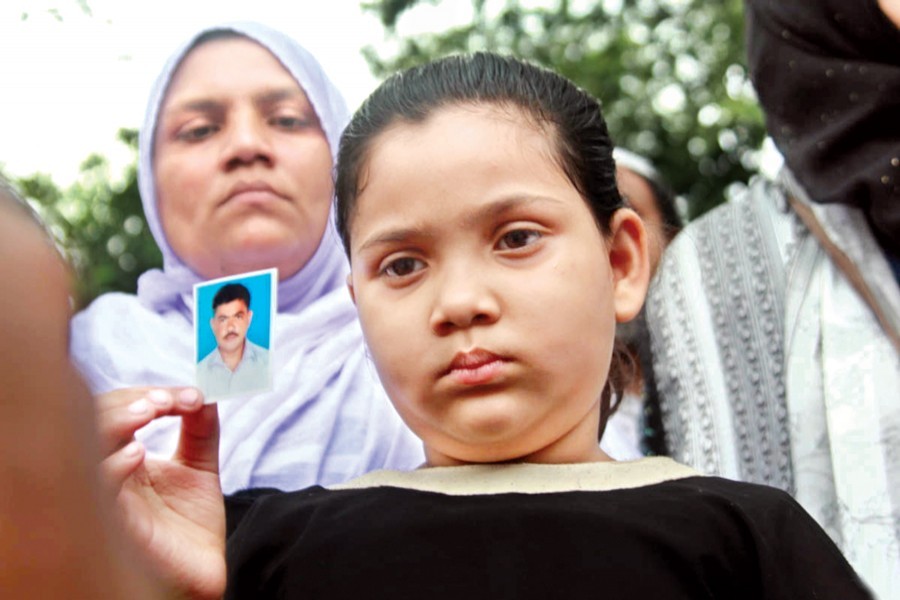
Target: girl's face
[[486, 292], [242, 166]]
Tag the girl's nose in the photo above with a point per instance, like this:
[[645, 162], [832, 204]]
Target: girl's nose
[[463, 299]]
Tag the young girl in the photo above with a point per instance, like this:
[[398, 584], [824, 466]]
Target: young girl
[[491, 258]]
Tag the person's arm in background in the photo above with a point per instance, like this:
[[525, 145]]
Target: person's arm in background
[[56, 535], [891, 8]]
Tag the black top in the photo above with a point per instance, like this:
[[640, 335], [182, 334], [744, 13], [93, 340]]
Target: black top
[[697, 537], [827, 73]]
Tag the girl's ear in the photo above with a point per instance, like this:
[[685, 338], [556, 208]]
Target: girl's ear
[[350, 288], [630, 263]]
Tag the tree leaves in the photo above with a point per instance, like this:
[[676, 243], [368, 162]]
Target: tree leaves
[[99, 224], [669, 73]]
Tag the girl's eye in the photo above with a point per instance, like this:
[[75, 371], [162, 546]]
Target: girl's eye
[[195, 134], [402, 267], [518, 238]]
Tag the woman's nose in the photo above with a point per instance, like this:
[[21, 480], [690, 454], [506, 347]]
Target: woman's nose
[[247, 142], [463, 299]]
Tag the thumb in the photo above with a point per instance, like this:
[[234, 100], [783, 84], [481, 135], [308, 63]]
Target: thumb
[[198, 444]]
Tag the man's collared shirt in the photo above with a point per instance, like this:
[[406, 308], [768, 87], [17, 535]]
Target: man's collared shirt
[[216, 380]]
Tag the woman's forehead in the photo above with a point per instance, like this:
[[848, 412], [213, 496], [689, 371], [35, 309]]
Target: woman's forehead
[[228, 64]]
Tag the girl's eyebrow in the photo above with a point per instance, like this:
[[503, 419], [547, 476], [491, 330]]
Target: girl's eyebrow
[[393, 236], [490, 212], [495, 210]]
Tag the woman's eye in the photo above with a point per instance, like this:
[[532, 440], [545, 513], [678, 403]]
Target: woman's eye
[[195, 134], [289, 122], [401, 267], [518, 238]]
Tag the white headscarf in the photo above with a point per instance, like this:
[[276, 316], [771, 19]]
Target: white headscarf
[[327, 418]]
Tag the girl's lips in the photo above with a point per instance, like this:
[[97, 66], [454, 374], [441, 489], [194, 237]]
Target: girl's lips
[[480, 375], [476, 367]]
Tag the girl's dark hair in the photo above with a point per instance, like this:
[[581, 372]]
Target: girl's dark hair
[[569, 114]]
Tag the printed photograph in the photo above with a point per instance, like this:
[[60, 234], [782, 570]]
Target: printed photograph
[[233, 331]]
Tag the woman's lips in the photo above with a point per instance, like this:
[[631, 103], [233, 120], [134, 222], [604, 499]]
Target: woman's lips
[[253, 192], [476, 367]]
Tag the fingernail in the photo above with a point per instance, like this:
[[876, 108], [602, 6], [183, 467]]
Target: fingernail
[[160, 397], [188, 397], [132, 449], [139, 407]]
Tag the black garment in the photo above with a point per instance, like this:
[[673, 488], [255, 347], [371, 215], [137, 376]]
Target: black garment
[[697, 537], [827, 73]]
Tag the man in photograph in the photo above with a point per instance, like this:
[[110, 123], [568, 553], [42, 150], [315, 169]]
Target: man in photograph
[[237, 365]]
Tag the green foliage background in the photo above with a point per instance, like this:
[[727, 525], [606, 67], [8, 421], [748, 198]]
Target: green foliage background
[[670, 75], [99, 223]]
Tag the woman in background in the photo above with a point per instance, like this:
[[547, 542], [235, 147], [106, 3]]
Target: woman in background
[[635, 428], [235, 170], [776, 318]]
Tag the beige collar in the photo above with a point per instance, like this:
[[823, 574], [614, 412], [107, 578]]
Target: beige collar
[[527, 478]]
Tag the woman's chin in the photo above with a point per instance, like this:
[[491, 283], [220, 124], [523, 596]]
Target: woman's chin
[[252, 255]]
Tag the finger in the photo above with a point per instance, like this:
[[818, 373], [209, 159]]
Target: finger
[[198, 445], [118, 424], [119, 397], [117, 467], [188, 399], [124, 412]]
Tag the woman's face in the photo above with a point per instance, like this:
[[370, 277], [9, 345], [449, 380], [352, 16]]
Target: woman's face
[[487, 294], [242, 166]]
